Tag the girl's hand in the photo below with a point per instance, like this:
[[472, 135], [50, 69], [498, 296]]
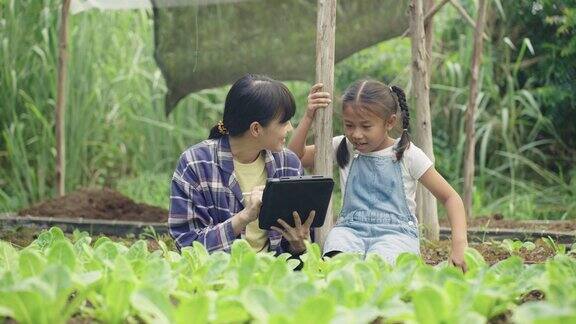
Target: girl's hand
[[457, 255], [317, 99], [297, 234]]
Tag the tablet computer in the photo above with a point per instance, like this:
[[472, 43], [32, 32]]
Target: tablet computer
[[282, 196]]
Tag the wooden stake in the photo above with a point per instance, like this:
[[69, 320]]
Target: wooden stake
[[325, 42], [422, 130], [61, 100], [471, 109]]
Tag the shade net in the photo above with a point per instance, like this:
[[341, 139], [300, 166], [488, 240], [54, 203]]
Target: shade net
[[208, 45]]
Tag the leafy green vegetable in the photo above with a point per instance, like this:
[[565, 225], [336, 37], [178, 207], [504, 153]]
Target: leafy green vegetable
[[56, 278]]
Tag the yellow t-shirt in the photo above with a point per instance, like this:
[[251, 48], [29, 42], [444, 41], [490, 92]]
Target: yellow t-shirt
[[249, 176]]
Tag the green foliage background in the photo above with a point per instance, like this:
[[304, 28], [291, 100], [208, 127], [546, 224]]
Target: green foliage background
[[118, 135]]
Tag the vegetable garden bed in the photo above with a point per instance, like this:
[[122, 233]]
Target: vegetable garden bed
[[134, 274], [57, 278]]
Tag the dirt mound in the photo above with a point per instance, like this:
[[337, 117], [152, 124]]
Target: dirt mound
[[97, 204]]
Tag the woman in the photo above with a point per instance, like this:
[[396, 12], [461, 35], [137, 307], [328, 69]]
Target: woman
[[216, 190]]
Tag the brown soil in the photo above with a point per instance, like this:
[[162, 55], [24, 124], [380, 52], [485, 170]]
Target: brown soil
[[498, 221], [97, 204], [493, 252], [432, 252], [22, 236]]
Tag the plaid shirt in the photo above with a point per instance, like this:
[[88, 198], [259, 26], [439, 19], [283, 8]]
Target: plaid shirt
[[205, 194]]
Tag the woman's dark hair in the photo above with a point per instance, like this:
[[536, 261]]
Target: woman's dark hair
[[254, 98], [382, 100]]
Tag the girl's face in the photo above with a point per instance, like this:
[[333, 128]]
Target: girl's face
[[273, 136], [367, 131]]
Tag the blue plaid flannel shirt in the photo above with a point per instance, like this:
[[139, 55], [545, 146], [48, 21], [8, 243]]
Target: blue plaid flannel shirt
[[205, 194]]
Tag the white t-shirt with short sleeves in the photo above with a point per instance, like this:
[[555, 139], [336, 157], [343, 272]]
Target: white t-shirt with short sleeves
[[414, 163]]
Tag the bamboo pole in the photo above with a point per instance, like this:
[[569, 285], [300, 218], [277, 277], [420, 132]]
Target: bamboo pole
[[61, 100], [325, 42], [471, 109], [427, 212]]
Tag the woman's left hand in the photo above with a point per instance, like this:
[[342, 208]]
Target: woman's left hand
[[457, 255], [297, 234]]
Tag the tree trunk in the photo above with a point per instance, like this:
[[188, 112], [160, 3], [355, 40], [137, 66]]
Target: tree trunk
[[325, 40], [431, 11], [426, 203], [471, 109], [61, 100], [429, 34]]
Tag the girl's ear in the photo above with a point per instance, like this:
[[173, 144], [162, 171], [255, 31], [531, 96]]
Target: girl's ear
[[255, 129], [391, 122]]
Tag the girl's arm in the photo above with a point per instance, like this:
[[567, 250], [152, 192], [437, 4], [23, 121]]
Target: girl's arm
[[316, 99], [442, 190]]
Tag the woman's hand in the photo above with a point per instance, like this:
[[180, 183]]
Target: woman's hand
[[253, 202], [317, 99], [457, 255], [297, 234]]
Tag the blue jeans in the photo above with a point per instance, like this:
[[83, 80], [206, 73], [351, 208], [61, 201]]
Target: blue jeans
[[375, 217]]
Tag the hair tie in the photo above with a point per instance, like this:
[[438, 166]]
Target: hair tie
[[221, 128]]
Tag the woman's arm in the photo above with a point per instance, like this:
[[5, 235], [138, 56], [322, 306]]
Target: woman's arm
[[316, 99], [442, 190], [189, 219]]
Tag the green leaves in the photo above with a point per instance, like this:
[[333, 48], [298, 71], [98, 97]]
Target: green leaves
[[514, 246], [544, 312], [54, 279], [8, 256], [62, 252], [31, 263]]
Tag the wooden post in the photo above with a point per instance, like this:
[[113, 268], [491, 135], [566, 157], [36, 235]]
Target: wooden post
[[422, 127], [471, 109], [61, 100], [325, 40]]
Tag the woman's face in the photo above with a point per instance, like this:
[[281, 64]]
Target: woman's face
[[274, 135]]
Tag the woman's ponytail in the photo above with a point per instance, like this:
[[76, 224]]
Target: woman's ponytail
[[218, 131]]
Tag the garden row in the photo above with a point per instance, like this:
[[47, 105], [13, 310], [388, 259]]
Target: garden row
[[56, 279]]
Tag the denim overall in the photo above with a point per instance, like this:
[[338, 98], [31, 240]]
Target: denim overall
[[375, 217]]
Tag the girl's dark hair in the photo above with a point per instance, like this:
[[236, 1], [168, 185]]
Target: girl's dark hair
[[254, 98], [382, 100]]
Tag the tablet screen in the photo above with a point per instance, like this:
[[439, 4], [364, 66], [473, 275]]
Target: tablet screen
[[282, 196]]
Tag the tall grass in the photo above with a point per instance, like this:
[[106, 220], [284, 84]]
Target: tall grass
[[115, 123], [516, 143]]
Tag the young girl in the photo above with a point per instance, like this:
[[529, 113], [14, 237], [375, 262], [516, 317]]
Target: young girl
[[216, 189], [380, 175]]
